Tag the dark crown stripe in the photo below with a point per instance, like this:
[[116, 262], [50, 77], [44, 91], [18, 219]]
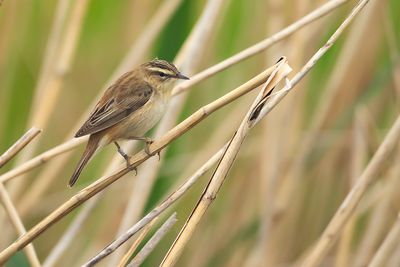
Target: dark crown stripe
[[162, 64]]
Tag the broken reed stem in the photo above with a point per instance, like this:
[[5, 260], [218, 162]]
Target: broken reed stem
[[244, 54], [224, 166], [136, 160], [135, 244], [19, 145], [153, 242], [6, 199]]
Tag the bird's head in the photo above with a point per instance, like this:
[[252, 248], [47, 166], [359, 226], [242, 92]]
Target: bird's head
[[161, 74]]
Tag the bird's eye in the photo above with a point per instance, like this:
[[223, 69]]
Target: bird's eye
[[162, 74]]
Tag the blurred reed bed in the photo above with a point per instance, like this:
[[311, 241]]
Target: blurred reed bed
[[308, 187]]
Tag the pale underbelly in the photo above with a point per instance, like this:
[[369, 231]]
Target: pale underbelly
[[137, 124]]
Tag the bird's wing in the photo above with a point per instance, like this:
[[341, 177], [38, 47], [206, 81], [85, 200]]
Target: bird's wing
[[115, 106]]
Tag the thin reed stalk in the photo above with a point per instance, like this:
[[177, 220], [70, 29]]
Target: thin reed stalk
[[152, 243], [135, 244], [19, 145], [358, 156], [5, 198], [388, 246], [145, 251]]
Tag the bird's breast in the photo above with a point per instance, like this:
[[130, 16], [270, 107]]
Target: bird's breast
[[141, 120]]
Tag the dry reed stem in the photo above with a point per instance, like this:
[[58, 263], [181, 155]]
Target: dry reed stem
[[144, 252], [137, 159], [225, 164], [188, 60], [251, 51], [41, 159], [348, 206], [387, 247], [393, 50], [146, 39], [19, 145], [394, 261], [50, 54], [48, 94], [377, 224], [278, 223], [272, 130], [6, 199], [18, 224], [68, 236], [358, 155], [152, 243], [135, 244], [141, 256]]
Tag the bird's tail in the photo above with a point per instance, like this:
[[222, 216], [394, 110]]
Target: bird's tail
[[91, 147]]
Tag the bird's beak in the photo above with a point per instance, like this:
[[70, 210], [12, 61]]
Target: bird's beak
[[181, 76]]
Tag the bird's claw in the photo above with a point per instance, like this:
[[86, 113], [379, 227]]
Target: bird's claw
[[128, 164], [147, 150]]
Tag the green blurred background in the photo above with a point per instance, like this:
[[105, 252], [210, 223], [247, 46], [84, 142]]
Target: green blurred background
[[362, 67]]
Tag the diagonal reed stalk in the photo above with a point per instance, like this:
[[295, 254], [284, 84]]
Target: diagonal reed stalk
[[6, 199], [152, 243], [19, 145], [124, 260], [387, 247], [225, 164], [137, 159], [147, 248]]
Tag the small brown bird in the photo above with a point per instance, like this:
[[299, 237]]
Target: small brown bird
[[128, 109]]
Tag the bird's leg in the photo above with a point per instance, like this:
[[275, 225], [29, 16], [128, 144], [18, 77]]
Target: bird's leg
[[148, 142], [126, 157]]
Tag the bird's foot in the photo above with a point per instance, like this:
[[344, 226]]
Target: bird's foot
[[149, 141], [126, 157], [129, 165]]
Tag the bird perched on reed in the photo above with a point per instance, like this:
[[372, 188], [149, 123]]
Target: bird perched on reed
[[128, 109]]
